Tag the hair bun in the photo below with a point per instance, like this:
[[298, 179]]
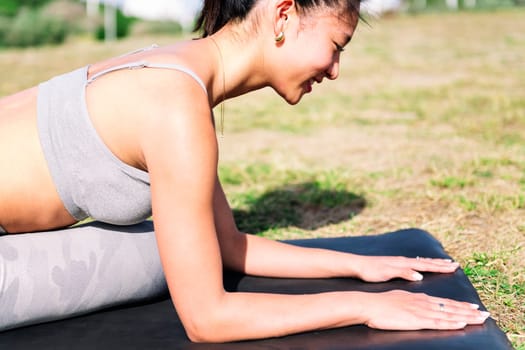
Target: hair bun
[[216, 13]]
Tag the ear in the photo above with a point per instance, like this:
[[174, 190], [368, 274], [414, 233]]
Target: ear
[[282, 10]]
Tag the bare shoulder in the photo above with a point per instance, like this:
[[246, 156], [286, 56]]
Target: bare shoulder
[[173, 88], [178, 127], [176, 105]]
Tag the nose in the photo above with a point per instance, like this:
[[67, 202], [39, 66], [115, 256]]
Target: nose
[[333, 71]]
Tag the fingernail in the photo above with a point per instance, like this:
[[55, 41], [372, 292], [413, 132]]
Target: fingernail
[[474, 306], [461, 324], [447, 260], [484, 314], [417, 276]]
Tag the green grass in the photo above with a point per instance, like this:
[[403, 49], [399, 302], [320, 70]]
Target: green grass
[[451, 182], [306, 201], [488, 273]]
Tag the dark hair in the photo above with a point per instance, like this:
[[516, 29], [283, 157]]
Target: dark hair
[[216, 13]]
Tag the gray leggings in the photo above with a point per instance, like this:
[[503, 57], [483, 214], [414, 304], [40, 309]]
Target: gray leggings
[[58, 274]]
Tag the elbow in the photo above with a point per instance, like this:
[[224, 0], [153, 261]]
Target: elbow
[[204, 332], [208, 328], [201, 339], [197, 336], [211, 319]]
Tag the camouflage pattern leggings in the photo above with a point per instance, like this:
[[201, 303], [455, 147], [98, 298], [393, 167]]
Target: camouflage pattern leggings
[[52, 275]]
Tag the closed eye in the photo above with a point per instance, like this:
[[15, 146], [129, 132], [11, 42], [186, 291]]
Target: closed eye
[[339, 47]]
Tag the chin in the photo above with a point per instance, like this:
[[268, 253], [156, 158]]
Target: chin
[[290, 99], [294, 102]]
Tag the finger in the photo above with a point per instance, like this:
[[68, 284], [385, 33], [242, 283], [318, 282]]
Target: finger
[[445, 260], [425, 264], [476, 317], [410, 275], [469, 309], [457, 311], [436, 262], [431, 321], [434, 265], [450, 303], [404, 273], [440, 324], [427, 323]]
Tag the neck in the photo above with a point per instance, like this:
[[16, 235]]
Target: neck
[[241, 66]]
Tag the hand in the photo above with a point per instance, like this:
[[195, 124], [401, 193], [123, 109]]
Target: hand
[[400, 310], [384, 268]]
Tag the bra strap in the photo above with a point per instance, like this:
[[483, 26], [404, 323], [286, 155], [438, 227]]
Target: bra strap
[[147, 48], [179, 68], [146, 64]]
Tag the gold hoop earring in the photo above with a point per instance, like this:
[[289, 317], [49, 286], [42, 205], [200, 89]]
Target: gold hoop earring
[[279, 37]]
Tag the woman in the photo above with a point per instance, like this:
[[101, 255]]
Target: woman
[[117, 144]]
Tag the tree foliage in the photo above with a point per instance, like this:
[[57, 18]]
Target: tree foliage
[[23, 23], [10, 8]]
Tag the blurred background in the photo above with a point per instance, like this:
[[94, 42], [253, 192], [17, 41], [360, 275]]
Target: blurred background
[[425, 126], [36, 22]]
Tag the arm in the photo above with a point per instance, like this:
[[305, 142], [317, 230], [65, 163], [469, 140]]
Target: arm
[[249, 254], [181, 154]]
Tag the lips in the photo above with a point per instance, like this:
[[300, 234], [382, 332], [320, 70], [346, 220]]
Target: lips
[[308, 85]]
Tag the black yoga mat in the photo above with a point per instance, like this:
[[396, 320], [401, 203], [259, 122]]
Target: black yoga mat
[[154, 325]]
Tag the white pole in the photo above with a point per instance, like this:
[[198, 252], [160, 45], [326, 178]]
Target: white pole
[[92, 13], [454, 4], [91, 8], [110, 22], [470, 3]]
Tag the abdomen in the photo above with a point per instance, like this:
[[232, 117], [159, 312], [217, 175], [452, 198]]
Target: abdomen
[[28, 198]]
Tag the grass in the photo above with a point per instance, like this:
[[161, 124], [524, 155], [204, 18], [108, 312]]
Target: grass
[[490, 275], [424, 128]]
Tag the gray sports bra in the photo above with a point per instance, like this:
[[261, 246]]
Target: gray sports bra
[[89, 178]]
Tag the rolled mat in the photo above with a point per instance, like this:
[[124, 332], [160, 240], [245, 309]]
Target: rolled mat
[[155, 325]]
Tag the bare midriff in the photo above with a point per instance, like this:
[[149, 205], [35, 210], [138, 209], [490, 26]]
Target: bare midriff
[[28, 198]]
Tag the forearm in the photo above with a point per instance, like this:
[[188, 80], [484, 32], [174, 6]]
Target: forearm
[[273, 315], [264, 257]]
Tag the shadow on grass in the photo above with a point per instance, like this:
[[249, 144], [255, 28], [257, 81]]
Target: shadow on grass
[[306, 205]]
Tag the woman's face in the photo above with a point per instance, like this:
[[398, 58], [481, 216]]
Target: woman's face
[[311, 52]]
